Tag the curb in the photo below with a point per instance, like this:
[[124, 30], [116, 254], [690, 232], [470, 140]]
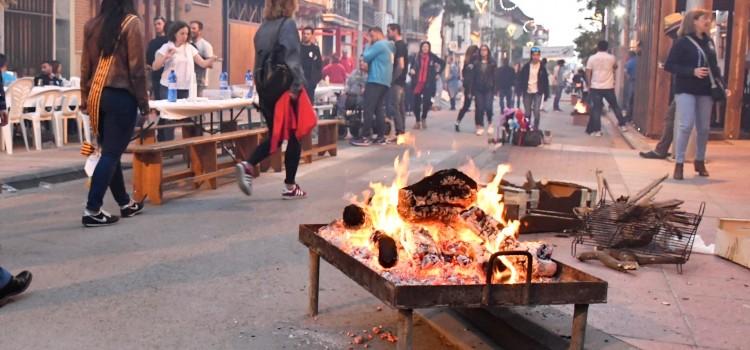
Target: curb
[[53, 176], [633, 138]]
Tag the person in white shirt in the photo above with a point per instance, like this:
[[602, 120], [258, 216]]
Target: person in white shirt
[[533, 84], [205, 50], [179, 56], [600, 71]]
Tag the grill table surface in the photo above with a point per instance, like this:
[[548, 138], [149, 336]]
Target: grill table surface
[[570, 286]]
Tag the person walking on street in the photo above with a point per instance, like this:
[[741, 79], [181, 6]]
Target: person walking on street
[[453, 80], [277, 43], [13, 285], [484, 89], [113, 91], [425, 71], [396, 110], [698, 82], [470, 58], [379, 57], [178, 56], [312, 61], [160, 28], [600, 73], [506, 79], [672, 24], [533, 81], [559, 74], [205, 50]]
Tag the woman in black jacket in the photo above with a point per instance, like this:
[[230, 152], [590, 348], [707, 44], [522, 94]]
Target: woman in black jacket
[[426, 67], [692, 60], [277, 40], [484, 88], [468, 74]]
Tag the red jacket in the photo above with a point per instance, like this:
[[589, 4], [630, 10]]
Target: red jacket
[[287, 119]]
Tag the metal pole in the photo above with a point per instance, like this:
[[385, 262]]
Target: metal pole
[[359, 28]]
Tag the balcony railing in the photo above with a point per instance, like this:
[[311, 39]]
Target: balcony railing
[[350, 9], [414, 25]]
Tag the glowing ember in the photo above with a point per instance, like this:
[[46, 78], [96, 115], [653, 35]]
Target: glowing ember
[[453, 228]]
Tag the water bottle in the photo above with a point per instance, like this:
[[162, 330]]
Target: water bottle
[[224, 81], [249, 84], [172, 87]]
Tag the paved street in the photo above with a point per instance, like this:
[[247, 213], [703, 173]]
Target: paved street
[[216, 269]]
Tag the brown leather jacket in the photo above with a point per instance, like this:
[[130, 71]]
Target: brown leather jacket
[[129, 69]]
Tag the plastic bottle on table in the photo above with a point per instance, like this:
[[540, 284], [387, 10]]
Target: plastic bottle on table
[[172, 87], [224, 81], [249, 84]]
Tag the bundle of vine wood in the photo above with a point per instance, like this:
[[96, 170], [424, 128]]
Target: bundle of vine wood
[[629, 224]]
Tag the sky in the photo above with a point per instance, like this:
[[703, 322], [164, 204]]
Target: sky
[[561, 17]]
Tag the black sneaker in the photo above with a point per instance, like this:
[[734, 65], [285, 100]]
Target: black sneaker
[[458, 129], [132, 209], [361, 142], [380, 141], [102, 218], [17, 285], [294, 193], [652, 155]]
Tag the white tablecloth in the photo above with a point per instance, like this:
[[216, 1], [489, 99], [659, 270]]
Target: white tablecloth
[[183, 109]]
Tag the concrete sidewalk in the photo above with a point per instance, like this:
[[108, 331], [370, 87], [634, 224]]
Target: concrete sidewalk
[[654, 307]]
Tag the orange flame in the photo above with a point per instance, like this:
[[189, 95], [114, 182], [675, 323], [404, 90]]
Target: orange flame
[[381, 205]]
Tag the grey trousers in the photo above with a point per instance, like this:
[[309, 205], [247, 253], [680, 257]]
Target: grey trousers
[[396, 108], [532, 104], [692, 111], [662, 148]]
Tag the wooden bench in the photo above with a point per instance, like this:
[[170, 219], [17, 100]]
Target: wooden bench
[[328, 136], [204, 168]]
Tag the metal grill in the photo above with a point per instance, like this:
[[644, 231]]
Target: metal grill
[[672, 238]]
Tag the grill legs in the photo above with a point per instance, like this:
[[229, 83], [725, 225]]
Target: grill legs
[[314, 280], [405, 330], [578, 333]]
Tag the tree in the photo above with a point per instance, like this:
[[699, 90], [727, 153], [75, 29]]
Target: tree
[[450, 8], [586, 43]]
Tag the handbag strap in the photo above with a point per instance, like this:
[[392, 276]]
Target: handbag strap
[[100, 78], [705, 57]]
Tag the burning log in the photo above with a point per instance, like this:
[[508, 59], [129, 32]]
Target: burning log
[[354, 217], [481, 223], [441, 196], [387, 249]]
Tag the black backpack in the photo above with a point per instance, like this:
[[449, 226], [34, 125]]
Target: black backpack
[[273, 77]]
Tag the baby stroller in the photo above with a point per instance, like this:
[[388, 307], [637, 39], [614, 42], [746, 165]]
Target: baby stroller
[[350, 109]]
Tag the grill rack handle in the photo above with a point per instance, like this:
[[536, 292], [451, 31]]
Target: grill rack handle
[[491, 267]]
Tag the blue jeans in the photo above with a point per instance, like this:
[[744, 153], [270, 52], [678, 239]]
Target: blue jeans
[[692, 110], [484, 107], [5, 277], [532, 104], [117, 116]]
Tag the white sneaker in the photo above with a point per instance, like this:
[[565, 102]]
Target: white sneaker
[[597, 134], [624, 128], [480, 131]]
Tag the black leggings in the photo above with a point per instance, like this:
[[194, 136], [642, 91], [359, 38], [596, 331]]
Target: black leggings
[[293, 147], [422, 105], [467, 103]]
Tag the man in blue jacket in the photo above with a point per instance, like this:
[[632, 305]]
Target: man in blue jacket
[[379, 58]]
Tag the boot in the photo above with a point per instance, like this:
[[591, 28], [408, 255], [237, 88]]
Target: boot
[[700, 168], [678, 167]]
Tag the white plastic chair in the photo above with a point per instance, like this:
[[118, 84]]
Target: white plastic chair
[[71, 101], [16, 97], [75, 82], [47, 104]]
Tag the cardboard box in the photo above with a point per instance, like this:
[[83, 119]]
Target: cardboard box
[[733, 241]]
